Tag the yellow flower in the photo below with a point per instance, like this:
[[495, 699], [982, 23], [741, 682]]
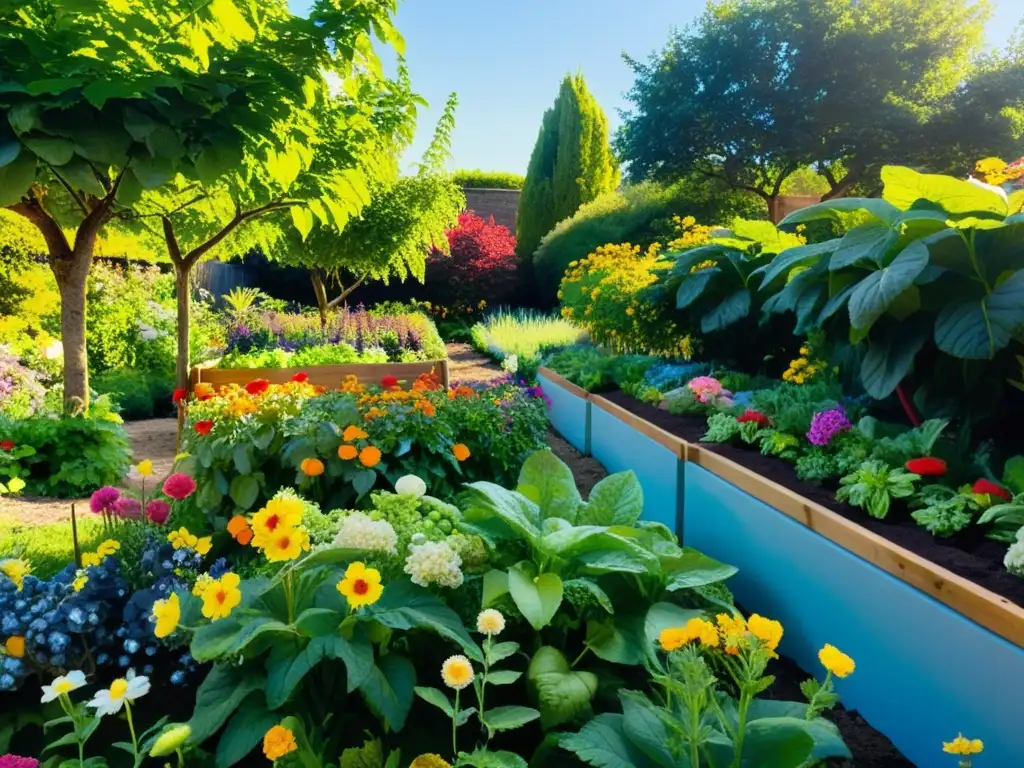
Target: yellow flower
[[702, 630], [769, 632], [805, 351], [144, 468], [277, 516], [835, 661], [490, 622], [673, 638], [202, 546], [90, 559], [312, 467], [81, 579], [172, 739], [182, 538], [461, 451], [361, 585], [15, 646], [369, 456], [203, 581], [430, 761], [457, 672], [799, 378], [166, 615], [221, 596], [353, 433], [278, 742], [16, 570], [963, 746], [732, 630], [286, 545]]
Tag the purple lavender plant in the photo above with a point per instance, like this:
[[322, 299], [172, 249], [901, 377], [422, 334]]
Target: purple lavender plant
[[825, 425]]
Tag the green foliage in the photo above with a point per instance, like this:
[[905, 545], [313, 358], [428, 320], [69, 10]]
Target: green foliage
[[526, 335], [896, 445], [137, 394], [596, 371], [50, 547], [945, 511], [792, 406], [874, 485], [817, 465], [1006, 519], [571, 164], [477, 179], [722, 428]]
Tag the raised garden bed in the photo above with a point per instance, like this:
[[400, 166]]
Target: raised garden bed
[[924, 621], [330, 376], [570, 410]]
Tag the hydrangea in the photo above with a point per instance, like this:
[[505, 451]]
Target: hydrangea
[[359, 531], [825, 425], [1014, 560], [433, 562]]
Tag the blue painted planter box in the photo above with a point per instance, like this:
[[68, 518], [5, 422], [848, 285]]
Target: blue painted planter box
[[655, 458], [924, 671], [569, 411]]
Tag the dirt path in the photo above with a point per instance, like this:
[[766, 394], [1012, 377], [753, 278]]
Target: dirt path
[[151, 439], [466, 365]]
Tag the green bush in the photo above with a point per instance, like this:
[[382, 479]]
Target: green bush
[[477, 179], [641, 215], [525, 334], [137, 394]]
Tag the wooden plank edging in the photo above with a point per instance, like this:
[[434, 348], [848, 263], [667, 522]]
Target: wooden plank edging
[[330, 376], [564, 383]]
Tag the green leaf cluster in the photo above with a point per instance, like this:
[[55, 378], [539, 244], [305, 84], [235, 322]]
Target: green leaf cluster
[[874, 485]]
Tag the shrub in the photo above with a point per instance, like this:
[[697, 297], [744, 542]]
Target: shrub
[[478, 179], [137, 394], [482, 264], [21, 394], [640, 214]]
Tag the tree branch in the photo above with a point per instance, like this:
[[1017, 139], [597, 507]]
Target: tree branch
[[67, 186], [788, 171], [845, 184], [173, 249], [32, 209], [345, 293], [240, 217]]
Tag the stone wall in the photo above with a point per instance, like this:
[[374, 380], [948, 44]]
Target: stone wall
[[502, 204]]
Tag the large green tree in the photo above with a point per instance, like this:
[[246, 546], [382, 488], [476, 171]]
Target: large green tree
[[571, 164], [109, 102], [757, 89]]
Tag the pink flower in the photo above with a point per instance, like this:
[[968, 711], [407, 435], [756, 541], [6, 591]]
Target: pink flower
[[179, 486], [13, 761], [103, 500], [706, 389], [128, 507], [158, 511]]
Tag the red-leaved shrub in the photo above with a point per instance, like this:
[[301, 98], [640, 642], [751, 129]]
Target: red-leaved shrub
[[482, 264]]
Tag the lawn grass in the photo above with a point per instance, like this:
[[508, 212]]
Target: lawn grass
[[49, 548]]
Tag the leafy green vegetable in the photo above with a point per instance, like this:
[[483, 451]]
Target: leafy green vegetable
[[873, 486]]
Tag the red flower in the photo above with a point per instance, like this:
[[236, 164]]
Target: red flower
[[992, 489], [179, 396], [257, 386], [203, 427], [301, 378], [755, 416], [388, 382], [7, 445], [179, 486], [927, 466]]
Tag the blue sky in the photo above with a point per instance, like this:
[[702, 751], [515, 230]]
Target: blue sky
[[506, 58]]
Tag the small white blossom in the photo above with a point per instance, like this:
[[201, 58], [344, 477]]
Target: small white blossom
[[1014, 560], [511, 363], [358, 531], [53, 350], [434, 562], [410, 485], [72, 681], [109, 701]]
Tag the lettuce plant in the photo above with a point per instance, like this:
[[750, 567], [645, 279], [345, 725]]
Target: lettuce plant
[[874, 485]]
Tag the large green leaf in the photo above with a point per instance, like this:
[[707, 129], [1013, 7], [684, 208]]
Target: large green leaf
[[226, 637], [245, 489], [217, 161], [603, 743], [904, 187], [891, 353], [513, 509], [50, 149], [286, 668], [588, 591], [80, 175], [693, 285], [223, 689], [827, 740], [616, 500], [10, 148], [536, 596], [867, 242], [485, 758], [776, 272], [645, 728], [16, 177], [618, 639], [878, 290], [560, 693], [976, 329], [882, 210], [547, 481], [692, 568], [731, 309], [244, 731], [405, 605], [781, 742], [388, 689]]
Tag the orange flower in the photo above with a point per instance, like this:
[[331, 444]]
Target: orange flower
[[351, 385], [426, 408], [461, 391], [375, 413], [369, 456], [15, 646], [461, 451], [203, 391], [347, 452], [239, 529], [352, 432], [312, 467]]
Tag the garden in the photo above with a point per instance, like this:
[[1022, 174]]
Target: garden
[[704, 462]]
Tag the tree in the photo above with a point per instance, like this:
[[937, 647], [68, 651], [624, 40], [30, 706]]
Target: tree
[[571, 164], [480, 263], [758, 89], [393, 235], [106, 101]]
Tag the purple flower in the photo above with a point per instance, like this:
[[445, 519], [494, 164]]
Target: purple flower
[[102, 501], [127, 507], [825, 425], [13, 761]]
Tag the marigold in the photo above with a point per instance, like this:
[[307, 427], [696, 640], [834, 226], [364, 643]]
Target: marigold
[[835, 661], [203, 391], [221, 596], [15, 646], [732, 630], [278, 742], [672, 638], [703, 631], [457, 672], [461, 451], [369, 456], [312, 467], [963, 746], [768, 631], [240, 407], [347, 452], [361, 585], [352, 432], [166, 615], [239, 529]]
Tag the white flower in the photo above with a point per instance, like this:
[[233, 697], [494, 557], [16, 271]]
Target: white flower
[[110, 700], [72, 681], [358, 531], [1014, 560], [410, 485], [511, 363], [53, 350], [490, 622], [434, 562]]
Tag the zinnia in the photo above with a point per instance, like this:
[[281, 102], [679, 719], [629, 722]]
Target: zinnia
[[179, 486], [300, 378], [388, 382], [992, 489], [179, 396], [361, 585], [127, 507], [15, 761], [257, 386], [927, 466], [102, 500], [461, 451], [203, 427], [157, 511], [353, 432], [369, 456], [278, 742]]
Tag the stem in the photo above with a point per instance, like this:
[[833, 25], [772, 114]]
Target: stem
[[811, 708], [694, 730], [287, 583], [908, 405], [483, 686], [577, 659], [741, 725], [455, 720], [131, 727]]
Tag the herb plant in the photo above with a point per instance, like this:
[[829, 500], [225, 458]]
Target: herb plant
[[874, 485]]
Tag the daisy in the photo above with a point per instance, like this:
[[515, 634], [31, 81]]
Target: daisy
[[63, 685], [109, 701]]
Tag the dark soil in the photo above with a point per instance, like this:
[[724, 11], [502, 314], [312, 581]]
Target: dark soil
[[968, 554], [870, 748]]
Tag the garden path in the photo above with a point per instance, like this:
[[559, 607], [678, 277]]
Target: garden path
[[465, 364]]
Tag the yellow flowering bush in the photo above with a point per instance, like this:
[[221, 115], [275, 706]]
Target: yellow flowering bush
[[994, 170]]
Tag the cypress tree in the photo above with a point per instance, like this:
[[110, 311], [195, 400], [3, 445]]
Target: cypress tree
[[571, 164]]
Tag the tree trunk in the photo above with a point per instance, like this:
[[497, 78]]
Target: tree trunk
[[72, 276], [182, 271], [320, 294]]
